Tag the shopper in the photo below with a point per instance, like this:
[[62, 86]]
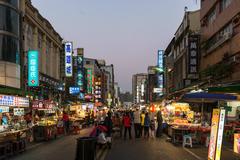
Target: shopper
[[137, 123], [159, 121], [152, 128], [66, 123], [146, 125], [109, 124], [142, 117], [127, 125]]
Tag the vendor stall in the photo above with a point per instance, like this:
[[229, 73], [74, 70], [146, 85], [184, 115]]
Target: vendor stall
[[45, 120], [13, 125]]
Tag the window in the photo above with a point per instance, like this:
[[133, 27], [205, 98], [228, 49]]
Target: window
[[9, 49], [212, 16], [15, 3], [40, 39], [9, 20], [224, 4]]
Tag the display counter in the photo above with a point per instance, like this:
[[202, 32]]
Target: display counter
[[44, 132]]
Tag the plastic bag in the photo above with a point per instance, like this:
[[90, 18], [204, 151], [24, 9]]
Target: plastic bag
[[102, 138]]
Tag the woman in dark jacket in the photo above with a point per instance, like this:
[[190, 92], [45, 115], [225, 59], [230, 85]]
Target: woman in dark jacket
[[146, 125], [159, 120]]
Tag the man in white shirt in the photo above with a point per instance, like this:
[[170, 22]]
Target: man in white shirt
[[137, 122]]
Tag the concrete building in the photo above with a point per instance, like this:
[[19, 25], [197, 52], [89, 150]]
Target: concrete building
[[182, 55], [38, 34], [151, 84], [139, 88], [10, 60], [220, 39]]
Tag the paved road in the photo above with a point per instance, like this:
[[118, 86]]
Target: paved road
[[141, 149], [61, 149]]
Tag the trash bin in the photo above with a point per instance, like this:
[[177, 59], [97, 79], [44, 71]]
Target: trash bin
[[86, 148]]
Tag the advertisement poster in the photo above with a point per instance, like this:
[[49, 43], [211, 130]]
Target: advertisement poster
[[220, 134], [213, 136], [236, 146]]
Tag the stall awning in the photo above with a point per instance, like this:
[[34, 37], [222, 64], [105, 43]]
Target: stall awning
[[208, 97]]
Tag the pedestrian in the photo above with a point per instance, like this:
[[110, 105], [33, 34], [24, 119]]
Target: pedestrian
[[152, 128], [66, 123], [109, 124], [159, 121], [127, 125], [137, 123], [142, 117], [146, 125]]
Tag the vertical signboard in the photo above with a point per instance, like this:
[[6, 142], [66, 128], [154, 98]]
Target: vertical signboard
[[213, 135], [160, 72], [80, 71], [68, 59], [89, 81], [220, 134], [33, 72], [193, 53]]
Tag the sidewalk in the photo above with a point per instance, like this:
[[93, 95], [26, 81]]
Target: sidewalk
[[202, 153]]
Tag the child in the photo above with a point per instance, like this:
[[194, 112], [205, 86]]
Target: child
[[152, 129]]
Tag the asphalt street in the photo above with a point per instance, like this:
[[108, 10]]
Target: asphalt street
[[63, 148]]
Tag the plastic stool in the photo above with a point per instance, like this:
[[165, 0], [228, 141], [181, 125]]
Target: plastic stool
[[187, 140]]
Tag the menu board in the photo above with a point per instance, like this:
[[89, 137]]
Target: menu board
[[18, 111], [213, 136], [4, 109], [6, 100]]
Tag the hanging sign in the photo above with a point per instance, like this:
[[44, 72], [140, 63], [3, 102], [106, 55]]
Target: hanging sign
[[4, 109], [6, 100], [18, 111], [33, 72]]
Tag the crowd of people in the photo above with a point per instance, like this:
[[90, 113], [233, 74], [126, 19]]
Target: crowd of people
[[144, 124]]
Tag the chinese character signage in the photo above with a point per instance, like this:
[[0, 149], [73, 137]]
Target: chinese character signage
[[160, 72], [74, 90], [33, 72], [6, 100], [80, 72], [217, 128], [220, 134], [18, 111], [160, 60], [68, 59], [89, 81], [193, 53], [4, 109]]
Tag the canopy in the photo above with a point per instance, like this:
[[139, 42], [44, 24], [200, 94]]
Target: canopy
[[208, 97]]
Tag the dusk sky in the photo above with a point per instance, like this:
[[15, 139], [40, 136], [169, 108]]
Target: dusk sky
[[126, 33]]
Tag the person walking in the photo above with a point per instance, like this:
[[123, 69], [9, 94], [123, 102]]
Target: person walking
[[152, 128], [159, 121], [66, 123], [109, 124], [142, 117], [146, 125], [137, 123], [127, 125]]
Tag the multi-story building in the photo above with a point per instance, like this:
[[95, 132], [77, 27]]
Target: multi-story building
[[139, 88], [116, 94], [10, 35], [182, 57], [152, 84], [220, 38], [109, 72], [38, 34]]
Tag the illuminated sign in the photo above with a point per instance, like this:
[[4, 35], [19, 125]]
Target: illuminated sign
[[4, 109], [6, 100], [160, 71], [33, 72], [89, 81], [68, 59], [160, 60], [18, 111], [80, 71], [74, 90]]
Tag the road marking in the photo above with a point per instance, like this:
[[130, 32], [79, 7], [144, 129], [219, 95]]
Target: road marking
[[193, 154]]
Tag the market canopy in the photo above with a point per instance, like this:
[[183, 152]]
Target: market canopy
[[208, 97]]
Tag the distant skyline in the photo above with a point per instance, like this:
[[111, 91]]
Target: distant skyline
[[126, 33]]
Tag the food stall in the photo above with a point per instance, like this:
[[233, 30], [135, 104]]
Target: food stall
[[181, 120], [77, 115], [13, 126], [45, 120]]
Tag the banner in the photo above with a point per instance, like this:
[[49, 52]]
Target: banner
[[213, 135], [33, 72]]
